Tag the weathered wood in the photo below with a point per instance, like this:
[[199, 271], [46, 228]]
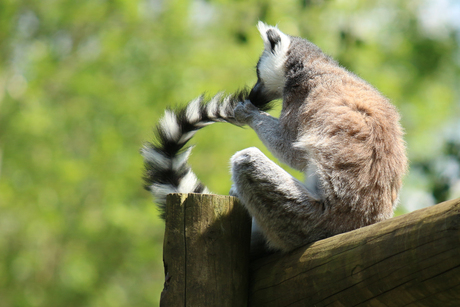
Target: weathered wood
[[206, 251], [410, 260]]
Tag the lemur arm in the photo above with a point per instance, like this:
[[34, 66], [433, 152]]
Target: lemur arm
[[270, 132]]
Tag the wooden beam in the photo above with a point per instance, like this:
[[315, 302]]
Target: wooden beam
[[410, 260], [206, 251]]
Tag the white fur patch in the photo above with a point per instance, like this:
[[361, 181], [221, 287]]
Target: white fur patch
[[203, 124], [193, 110], [271, 66], [212, 106], [312, 181], [181, 159], [160, 191], [188, 183], [186, 136], [206, 191], [225, 102], [154, 157], [169, 125]]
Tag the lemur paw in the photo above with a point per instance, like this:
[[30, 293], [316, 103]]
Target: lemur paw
[[233, 191], [245, 111]]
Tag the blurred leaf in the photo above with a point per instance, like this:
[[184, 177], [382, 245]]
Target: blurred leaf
[[82, 83]]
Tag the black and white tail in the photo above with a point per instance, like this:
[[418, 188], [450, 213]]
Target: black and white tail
[[166, 168]]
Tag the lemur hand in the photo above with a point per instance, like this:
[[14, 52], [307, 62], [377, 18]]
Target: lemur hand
[[245, 111]]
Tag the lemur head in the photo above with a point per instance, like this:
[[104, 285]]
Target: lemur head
[[271, 66]]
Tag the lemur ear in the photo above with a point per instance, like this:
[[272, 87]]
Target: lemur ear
[[272, 37]]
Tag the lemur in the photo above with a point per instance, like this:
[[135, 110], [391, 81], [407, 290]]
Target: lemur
[[333, 126]]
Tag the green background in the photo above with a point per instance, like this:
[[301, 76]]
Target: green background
[[82, 84]]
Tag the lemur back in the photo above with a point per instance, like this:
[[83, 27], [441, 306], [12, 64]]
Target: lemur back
[[333, 126]]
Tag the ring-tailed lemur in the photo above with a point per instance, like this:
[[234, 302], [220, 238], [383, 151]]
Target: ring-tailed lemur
[[333, 126]]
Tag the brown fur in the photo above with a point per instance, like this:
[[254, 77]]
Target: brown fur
[[338, 123]]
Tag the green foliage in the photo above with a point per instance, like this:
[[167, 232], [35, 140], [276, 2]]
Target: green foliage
[[83, 82]]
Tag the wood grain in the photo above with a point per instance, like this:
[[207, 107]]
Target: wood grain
[[410, 260], [206, 251]]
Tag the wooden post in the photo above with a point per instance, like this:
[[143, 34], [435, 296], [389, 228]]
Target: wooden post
[[410, 260], [206, 251]]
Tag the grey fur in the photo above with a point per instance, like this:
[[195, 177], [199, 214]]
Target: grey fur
[[335, 127]]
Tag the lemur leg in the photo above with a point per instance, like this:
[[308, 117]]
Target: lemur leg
[[282, 207], [258, 241]]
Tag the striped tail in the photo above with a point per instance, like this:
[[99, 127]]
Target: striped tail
[[166, 168]]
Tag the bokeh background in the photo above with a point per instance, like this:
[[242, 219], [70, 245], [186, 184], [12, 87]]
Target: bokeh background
[[82, 83]]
